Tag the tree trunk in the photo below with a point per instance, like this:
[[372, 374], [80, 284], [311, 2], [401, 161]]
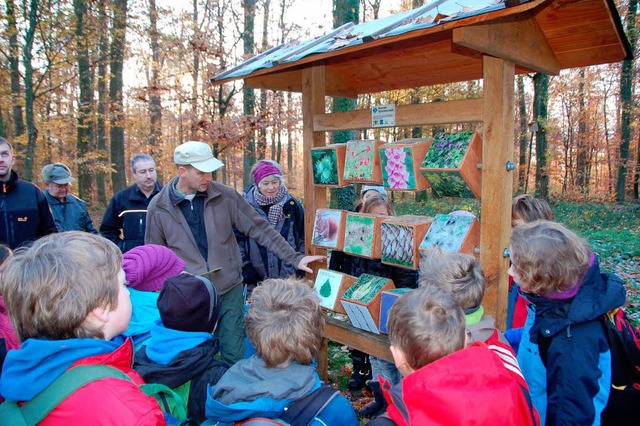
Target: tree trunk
[[636, 178], [248, 103], [344, 11], [607, 141], [262, 140], [290, 140], [414, 96], [195, 72], [155, 102], [540, 102], [522, 139], [626, 101], [14, 66], [85, 107], [582, 176], [29, 94], [103, 110], [116, 119]]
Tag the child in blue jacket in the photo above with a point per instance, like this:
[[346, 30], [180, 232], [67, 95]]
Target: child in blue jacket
[[180, 352], [561, 278], [285, 324]]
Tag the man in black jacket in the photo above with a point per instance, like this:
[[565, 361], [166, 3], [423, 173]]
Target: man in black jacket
[[24, 211], [125, 220]]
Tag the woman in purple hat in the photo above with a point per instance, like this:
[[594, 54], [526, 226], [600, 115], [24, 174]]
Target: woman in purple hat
[[271, 199]]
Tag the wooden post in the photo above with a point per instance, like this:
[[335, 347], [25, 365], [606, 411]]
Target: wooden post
[[497, 182], [313, 94], [313, 102]]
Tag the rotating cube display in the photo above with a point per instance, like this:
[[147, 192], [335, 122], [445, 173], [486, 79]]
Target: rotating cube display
[[400, 238], [362, 235], [451, 165], [362, 301], [400, 162], [328, 229], [362, 162], [387, 299], [330, 285], [328, 165], [453, 233]]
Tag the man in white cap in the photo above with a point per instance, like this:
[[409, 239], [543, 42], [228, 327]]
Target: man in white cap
[[194, 216], [69, 211]]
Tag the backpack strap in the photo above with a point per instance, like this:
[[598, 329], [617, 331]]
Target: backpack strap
[[170, 401], [35, 410], [304, 410]]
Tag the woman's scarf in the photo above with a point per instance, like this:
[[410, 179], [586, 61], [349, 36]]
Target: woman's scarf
[[276, 203]]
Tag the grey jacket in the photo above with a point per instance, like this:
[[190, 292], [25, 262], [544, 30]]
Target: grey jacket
[[70, 215], [224, 208]]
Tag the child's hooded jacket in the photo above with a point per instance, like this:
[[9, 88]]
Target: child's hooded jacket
[[38, 363]]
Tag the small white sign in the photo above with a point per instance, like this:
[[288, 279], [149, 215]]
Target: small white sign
[[383, 116]]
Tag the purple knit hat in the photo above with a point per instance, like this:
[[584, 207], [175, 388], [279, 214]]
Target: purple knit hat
[[263, 170], [147, 267]]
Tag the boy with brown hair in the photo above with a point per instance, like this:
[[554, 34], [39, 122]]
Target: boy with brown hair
[[285, 324], [461, 274], [445, 383], [68, 301]]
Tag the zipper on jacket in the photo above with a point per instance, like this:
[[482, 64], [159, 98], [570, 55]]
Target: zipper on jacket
[[4, 211], [13, 235]]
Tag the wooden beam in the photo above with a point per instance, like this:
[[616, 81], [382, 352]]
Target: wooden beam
[[520, 42], [313, 102], [371, 343], [291, 81], [497, 183], [461, 111], [345, 333]]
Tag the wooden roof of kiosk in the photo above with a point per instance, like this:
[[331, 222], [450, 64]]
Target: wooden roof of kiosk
[[442, 42]]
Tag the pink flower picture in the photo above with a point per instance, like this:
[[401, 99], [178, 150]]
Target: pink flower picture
[[397, 174]]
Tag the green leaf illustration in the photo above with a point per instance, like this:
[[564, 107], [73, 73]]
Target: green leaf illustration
[[325, 289]]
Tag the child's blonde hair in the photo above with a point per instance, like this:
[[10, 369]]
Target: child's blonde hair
[[285, 322], [426, 324], [548, 257], [528, 209], [458, 273], [378, 199], [51, 286]]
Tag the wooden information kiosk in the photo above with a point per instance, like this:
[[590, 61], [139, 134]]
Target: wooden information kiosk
[[491, 45]]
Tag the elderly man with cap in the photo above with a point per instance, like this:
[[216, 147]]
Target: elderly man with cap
[[194, 216], [69, 211], [24, 211]]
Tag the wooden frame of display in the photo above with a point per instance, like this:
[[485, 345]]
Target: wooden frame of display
[[487, 47], [494, 110]]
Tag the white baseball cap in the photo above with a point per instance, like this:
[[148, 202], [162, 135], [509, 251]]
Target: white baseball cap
[[198, 155]]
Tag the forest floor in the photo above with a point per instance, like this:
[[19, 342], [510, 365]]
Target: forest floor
[[613, 231]]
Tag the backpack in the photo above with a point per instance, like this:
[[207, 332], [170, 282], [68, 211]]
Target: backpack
[[34, 411], [624, 344], [301, 412]]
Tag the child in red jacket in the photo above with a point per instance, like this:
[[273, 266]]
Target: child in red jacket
[[67, 297], [445, 383]]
